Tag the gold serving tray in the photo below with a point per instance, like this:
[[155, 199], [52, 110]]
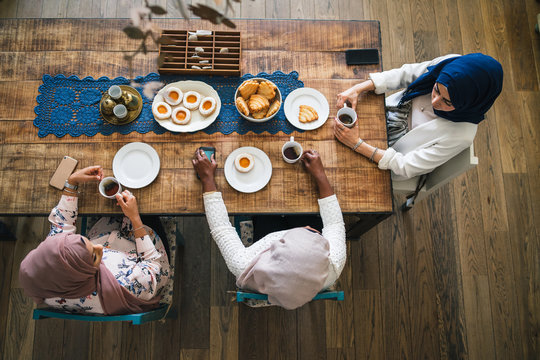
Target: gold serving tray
[[132, 114]]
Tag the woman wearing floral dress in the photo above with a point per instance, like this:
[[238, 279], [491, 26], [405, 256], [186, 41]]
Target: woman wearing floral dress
[[120, 268]]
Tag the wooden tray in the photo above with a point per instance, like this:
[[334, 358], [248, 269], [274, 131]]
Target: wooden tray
[[178, 55]]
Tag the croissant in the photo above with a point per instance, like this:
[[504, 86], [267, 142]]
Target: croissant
[[248, 88], [274, 107], [307, 114], [242, 105], [267, 89], [258, 103], [259, 115]]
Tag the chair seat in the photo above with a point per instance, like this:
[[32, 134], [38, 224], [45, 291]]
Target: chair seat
[[136, 319], [241, 296]]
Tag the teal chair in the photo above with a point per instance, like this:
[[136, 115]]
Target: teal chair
[[242, 295], [136, 319], [161, 312]]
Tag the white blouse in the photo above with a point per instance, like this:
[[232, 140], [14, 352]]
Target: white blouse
[[237, 256], [139, 264], [431, 140]]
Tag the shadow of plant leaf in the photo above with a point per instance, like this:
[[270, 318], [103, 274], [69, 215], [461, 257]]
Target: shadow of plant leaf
[[158, 10], [214, 16], [133, 32]]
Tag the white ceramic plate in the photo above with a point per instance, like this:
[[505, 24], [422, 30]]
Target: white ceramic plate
[[136, 165], [253, 180], [306, 96], [198, 122]]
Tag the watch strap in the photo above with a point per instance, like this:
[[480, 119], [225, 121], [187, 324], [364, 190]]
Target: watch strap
[[69, 186]]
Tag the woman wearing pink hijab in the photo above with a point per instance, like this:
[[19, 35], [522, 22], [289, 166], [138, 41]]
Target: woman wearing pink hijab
[[290, 266], [119, 269]]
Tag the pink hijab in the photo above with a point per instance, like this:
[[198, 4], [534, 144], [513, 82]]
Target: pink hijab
[[61, 266], [291, 271]]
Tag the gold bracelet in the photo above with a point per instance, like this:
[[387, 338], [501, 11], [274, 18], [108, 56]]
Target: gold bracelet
[[373, 155], [139, 228]]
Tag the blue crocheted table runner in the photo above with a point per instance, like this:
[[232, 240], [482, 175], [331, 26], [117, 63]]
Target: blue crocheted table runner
[[69, 105]]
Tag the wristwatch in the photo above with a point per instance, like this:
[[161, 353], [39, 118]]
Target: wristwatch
[[69, 186]]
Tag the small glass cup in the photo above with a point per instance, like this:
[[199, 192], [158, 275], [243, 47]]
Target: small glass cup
[[347, 116], [291, 151], [109, 187], [115, 92], [120, 111]]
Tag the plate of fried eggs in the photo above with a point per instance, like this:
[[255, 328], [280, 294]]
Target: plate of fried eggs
[[186, 106], [248, 169]]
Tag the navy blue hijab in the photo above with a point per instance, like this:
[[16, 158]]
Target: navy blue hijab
[[473, 81]]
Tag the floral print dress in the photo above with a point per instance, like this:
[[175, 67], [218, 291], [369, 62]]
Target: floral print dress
[[139, 264]]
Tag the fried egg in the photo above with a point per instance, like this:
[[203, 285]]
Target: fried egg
[[208, 105], [161, 110], [181, 116], [192, 99], [173, 95], [244, 162]]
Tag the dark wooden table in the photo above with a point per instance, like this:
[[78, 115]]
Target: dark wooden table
[[30, 48]]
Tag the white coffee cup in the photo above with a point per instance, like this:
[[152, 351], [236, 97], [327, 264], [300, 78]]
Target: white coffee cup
[[105, 182], [346, 111], [295, 150]]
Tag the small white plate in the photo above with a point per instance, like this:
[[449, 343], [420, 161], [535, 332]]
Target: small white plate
[[136, 165], [253, 180], [306, 96], [198, 122]]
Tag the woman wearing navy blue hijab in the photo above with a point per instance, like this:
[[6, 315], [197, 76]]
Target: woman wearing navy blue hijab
[[433, 118]]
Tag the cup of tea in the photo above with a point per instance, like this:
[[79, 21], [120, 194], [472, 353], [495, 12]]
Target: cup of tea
[[109, 187], [291, 151], [347, 116]]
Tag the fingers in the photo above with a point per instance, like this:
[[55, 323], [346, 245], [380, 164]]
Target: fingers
[[120, 200], [201, 155], [197, 155]]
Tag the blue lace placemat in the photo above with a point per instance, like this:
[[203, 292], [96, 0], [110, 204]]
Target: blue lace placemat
[[70, 105]]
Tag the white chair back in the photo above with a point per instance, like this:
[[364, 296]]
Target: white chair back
[[443, 174]]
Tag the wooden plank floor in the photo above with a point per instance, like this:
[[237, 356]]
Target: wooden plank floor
[[456, 277]]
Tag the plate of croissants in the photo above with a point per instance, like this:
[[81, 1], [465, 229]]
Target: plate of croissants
[[186, 106], [306, 108], [258, 99]]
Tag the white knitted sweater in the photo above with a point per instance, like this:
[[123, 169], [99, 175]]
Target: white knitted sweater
[[237, 256]]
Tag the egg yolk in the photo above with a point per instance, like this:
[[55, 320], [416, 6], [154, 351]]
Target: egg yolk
[[180, 115], [244, 162], [191, 98], [173, 95], [161, 109], [207, 105]]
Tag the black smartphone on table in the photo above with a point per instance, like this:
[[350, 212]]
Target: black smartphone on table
[[361, 56], [209, 151]]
